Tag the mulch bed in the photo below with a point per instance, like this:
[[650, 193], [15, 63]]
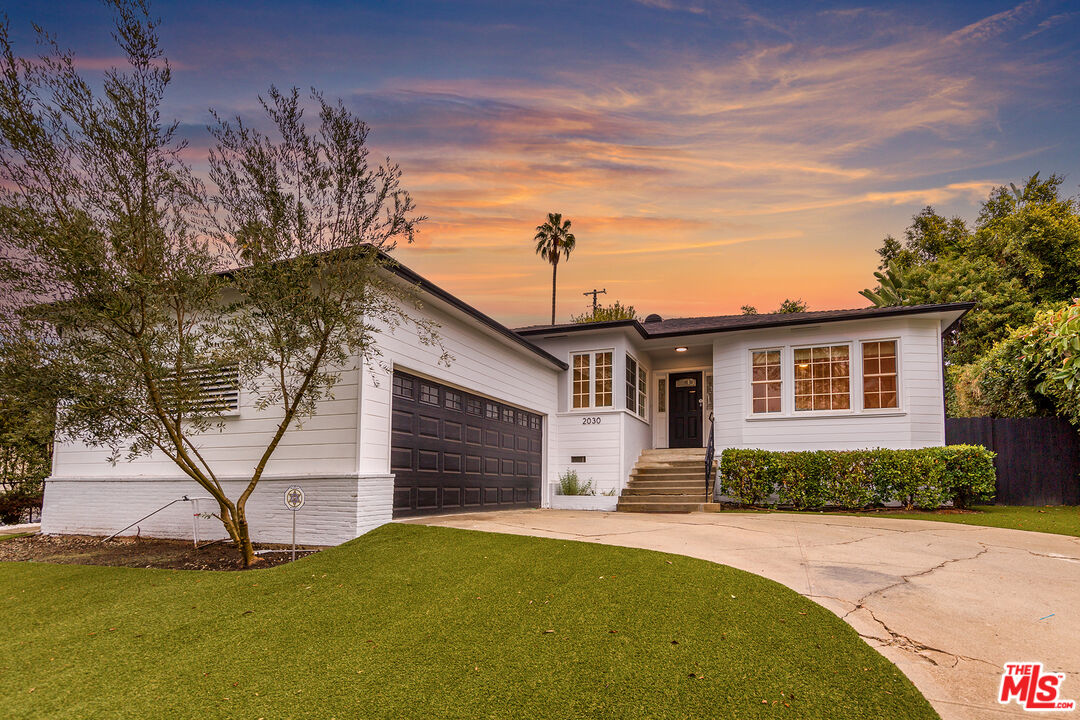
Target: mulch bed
[[137, 552]]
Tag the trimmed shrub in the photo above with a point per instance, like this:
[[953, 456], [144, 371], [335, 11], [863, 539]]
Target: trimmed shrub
[[17, 505], [925, 478]]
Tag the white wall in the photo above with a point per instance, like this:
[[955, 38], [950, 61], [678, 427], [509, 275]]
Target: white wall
[[611, 439], [918, 422], [325, 443], [101, 506]]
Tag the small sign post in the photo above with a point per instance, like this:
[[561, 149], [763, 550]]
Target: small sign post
[[294, 500]]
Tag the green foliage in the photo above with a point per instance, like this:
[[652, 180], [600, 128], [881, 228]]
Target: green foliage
[[605, 313], [570, 484], [891, 289], [748, 310], [1023, 252], [792, 306], [1052, 348], [16, 504], [923, 478]]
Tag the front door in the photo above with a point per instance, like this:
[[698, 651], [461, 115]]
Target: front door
[[684, 415]]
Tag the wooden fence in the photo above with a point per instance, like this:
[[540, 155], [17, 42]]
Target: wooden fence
[[1038, 459]]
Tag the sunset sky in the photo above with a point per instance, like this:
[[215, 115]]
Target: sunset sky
[[710, 154]]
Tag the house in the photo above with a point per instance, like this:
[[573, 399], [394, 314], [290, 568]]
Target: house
[[494, 428]]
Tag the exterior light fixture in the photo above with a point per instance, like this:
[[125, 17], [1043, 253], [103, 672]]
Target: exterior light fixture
[[680, 349], [804, 365]]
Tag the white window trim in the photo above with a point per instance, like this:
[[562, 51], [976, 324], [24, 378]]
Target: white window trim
[[640, 413], [784, 405], [592, 382], [899, 409], [854, 398], [855, 377]]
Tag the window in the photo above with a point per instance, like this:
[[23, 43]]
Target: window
[[429, 394], [534, 422], [765, 381], [581, 380], [453, 400], [879, 375], [603, 385], [592, 381], [661, 395], [822, 378], [473, 406], [403, 386], [643, 388], [508, 416], [523, 419], [637, 386], [708, 393], [491, 411]]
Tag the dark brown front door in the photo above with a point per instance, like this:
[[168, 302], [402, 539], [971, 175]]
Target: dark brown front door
[[453, 451], [684, 414]]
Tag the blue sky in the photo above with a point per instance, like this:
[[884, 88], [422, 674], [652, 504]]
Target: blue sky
[[710, 153]]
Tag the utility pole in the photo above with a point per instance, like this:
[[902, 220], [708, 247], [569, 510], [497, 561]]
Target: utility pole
[[594, 292]]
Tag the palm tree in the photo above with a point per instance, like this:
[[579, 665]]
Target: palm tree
[[554, 240], [892, 286]]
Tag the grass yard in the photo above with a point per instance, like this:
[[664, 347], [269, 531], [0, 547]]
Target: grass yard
[[419, 622], [1059, 519]]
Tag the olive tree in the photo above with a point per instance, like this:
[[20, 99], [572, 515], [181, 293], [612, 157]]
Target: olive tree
[[139, 284]]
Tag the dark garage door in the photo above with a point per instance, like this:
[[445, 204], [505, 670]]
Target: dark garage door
[[452, 451]]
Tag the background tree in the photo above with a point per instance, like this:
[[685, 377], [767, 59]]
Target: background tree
[[554, 241], [792, 306], [1021, 259], [605, 313], [748, 310], [134, 286]]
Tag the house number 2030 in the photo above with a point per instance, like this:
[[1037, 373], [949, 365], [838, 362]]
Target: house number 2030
[[592, 420]]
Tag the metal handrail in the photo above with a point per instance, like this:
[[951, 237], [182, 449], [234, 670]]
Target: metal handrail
[[185, 498], [710, 451]]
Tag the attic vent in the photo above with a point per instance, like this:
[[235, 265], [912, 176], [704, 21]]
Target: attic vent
[[654, 318], [577, 458], [219, 387]]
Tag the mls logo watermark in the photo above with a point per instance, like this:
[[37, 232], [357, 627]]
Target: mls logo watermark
[[1033, 689]]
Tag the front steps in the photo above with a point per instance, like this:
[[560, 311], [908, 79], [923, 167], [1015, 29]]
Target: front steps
[[666, 481]]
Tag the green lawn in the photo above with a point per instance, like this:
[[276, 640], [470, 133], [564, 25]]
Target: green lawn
[[416, 622], [1060, 519]]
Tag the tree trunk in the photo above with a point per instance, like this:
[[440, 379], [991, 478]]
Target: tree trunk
[[554, 272], [243, 539]]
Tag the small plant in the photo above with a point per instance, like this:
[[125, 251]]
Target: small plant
[[609, 493], [570, 484]]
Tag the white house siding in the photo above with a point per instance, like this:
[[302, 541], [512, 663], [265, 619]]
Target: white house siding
[[919, 422], [101, 506], [324, 444], [612, 445], [484, 363], [340, 456]]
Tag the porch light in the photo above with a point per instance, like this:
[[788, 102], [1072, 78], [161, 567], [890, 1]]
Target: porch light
[[680, 349]]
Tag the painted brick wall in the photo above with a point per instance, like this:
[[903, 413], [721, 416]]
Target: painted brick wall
[[337, 509]]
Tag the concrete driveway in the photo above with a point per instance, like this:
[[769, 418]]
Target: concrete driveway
[[949, 604]]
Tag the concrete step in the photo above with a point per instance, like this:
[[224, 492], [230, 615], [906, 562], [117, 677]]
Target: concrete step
[[666, 471], [683, 466], [695, 482], [664, 490], [661, 507], [698, 497]]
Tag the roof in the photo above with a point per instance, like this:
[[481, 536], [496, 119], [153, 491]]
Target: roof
[[427, 286], [675, 327]]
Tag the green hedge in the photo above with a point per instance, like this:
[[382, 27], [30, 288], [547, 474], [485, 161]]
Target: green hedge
[[924, 478]]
